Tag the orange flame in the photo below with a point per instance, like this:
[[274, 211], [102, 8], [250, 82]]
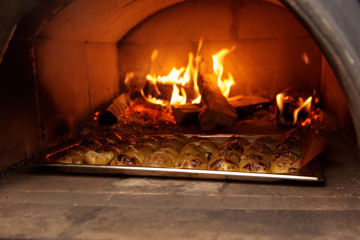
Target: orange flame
[[176, 97], [218, 68], [179, 78], [188, 76], [153, 100], [280, 99], [197, 100], [301, 104]]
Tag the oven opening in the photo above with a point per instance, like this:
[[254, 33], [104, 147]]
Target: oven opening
[[219, 67], [196, 67], [209, 119]]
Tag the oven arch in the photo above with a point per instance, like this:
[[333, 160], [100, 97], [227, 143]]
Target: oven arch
[[335, 26]]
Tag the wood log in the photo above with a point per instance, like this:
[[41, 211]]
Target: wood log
[[186, 114], [249, 104], [217, 110], [244, 105], [115, 111]]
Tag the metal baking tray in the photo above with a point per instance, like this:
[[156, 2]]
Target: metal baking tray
[[309, 173]]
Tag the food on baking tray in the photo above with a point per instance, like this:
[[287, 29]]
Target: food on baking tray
[[163, 157], [289, 152], [73, 154], [177, 142], [227, 156], [102, 155], [265, 154], [166, 154], [90, 143], [136, 153], [257, 156], [195, 155]]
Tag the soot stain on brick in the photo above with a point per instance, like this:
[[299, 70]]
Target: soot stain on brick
[[235, 8], [129, 3]]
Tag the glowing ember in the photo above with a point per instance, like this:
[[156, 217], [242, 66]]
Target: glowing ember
[[188, 77], [289, 108], [145, 114], [96, 117], [314, 116]]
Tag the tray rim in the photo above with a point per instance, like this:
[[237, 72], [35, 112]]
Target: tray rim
[[316, 175]]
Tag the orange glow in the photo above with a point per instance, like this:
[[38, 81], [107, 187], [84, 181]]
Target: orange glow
[[96, 117], [314, 116], [188, 77], [141, 111], [305, 58], [307, 122], [128, 77]]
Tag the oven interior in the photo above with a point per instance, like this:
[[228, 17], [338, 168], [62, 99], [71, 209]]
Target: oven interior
[[59, 74], [69, 60]]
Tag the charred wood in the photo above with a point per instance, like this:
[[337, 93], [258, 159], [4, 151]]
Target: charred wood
[[115, 110], [217, 110], [246, 105], [186, 114]]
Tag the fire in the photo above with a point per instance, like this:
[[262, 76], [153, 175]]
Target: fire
[[197, 100], [178, 78], [302, 105], [176, 97], [173, 77], [314, 116], [153, 100], [188, 77], [218, 67], [289, 116], [280, 99]]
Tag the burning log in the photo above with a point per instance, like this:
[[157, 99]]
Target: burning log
[[290, 105], [184, 114], [245, 105], [217, 111], [115, 111]]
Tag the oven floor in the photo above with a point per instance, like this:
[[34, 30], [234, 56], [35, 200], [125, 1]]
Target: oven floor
[[36, 203]]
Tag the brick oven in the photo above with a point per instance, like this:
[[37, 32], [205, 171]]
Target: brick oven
[[65, 62]]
